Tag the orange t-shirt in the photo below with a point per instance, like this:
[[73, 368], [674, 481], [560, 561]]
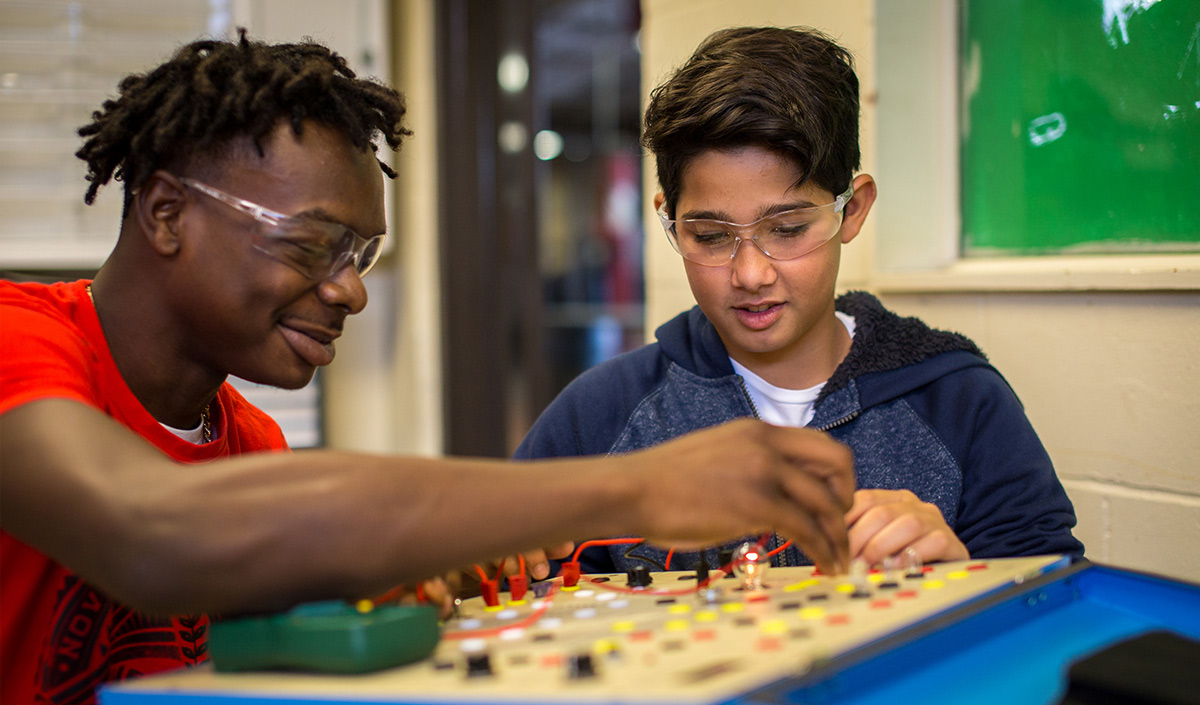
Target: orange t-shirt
[[59, 637]]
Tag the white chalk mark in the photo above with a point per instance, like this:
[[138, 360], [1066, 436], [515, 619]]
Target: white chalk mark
[[1193, 44], [1117, 14], [1047, 128]]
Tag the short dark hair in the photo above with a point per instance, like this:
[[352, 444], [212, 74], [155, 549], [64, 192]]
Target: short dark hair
[[791, 90], [211, 91]]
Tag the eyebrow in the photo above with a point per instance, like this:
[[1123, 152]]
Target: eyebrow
[[766, 212], [318, 213], [321, 214]]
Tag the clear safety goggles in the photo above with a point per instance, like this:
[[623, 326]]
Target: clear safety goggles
[[781, 236], [315, 248]]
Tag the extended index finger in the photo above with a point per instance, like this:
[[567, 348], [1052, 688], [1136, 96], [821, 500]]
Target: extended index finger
[[818, 526]]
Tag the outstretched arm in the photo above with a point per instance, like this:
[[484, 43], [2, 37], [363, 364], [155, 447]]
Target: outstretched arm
[[262, 532]]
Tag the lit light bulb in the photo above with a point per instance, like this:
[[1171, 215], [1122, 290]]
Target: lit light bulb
[[750, 563]]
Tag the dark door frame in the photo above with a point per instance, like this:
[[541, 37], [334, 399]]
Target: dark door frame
[[491, 296]]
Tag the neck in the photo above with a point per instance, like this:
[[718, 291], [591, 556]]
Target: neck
[[148, 350], [806, 363]]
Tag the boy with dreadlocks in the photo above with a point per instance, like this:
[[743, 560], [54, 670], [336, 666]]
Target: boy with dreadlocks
[[253, 206], [756, 142]]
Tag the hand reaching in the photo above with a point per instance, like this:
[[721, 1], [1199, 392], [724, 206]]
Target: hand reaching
[[748, 477]]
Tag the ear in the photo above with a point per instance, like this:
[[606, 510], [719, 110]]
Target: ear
[[855, 212], [658, 200], [157, 208]]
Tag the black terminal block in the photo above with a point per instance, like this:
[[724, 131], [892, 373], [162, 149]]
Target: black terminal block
[[479, 665], [725, 561], [581, 666], [639, 576]]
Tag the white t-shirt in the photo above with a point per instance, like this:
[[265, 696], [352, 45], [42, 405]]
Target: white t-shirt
[[785, 407], [191, 435]]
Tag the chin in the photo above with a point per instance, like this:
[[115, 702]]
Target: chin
[[763, 344], [298, 381], [291, 379]]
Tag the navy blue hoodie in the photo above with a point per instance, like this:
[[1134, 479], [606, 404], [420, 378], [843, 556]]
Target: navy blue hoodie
[[921, 409]]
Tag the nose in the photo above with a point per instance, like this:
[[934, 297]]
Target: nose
[[750, 268], [344, 289]]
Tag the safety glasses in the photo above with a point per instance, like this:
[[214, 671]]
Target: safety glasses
[[781, 236], [315, 248]]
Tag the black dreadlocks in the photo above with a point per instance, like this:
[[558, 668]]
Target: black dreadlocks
[[213, 90]]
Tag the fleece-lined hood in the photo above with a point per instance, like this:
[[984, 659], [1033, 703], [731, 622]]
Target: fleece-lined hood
[[883, 342]]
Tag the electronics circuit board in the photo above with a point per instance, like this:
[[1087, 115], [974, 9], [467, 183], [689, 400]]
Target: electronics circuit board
[[679, 639]]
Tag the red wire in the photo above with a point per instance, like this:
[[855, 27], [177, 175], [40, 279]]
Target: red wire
[[546, 601], [483, 578], [392, 595], [661, 591], [779, 550], [670, 553], [601, 542], [762, 543], [531, 619]]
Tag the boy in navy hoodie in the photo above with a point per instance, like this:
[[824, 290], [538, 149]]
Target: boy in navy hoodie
[[756, 144]]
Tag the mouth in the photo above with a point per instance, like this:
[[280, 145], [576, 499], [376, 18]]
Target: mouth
[[758, 316], [312, 343]]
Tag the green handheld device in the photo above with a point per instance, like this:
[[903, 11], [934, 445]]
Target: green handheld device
[[327, 637]]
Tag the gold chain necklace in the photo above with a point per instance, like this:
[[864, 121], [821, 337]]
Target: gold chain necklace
[[205, 424], [205, 420]]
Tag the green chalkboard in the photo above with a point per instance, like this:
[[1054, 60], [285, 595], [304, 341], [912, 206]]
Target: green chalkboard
[[1080, 126]]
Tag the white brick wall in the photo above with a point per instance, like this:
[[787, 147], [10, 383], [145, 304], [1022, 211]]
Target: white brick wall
[[1139, 529], [1112, 385]]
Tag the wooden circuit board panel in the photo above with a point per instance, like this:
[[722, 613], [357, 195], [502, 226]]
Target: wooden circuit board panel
[[602, 641]]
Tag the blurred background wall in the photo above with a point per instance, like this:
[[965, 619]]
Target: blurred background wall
[[524, 246]]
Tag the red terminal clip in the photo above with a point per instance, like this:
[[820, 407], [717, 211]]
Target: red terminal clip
[[490, 591], [517, 585], [570, 573]]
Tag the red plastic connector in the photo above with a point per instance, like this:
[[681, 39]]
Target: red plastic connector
[[517, 585], [490, 591], [570, 573]]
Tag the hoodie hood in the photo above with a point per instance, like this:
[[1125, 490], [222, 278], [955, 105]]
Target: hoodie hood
[[690, 341], [883, 342]]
